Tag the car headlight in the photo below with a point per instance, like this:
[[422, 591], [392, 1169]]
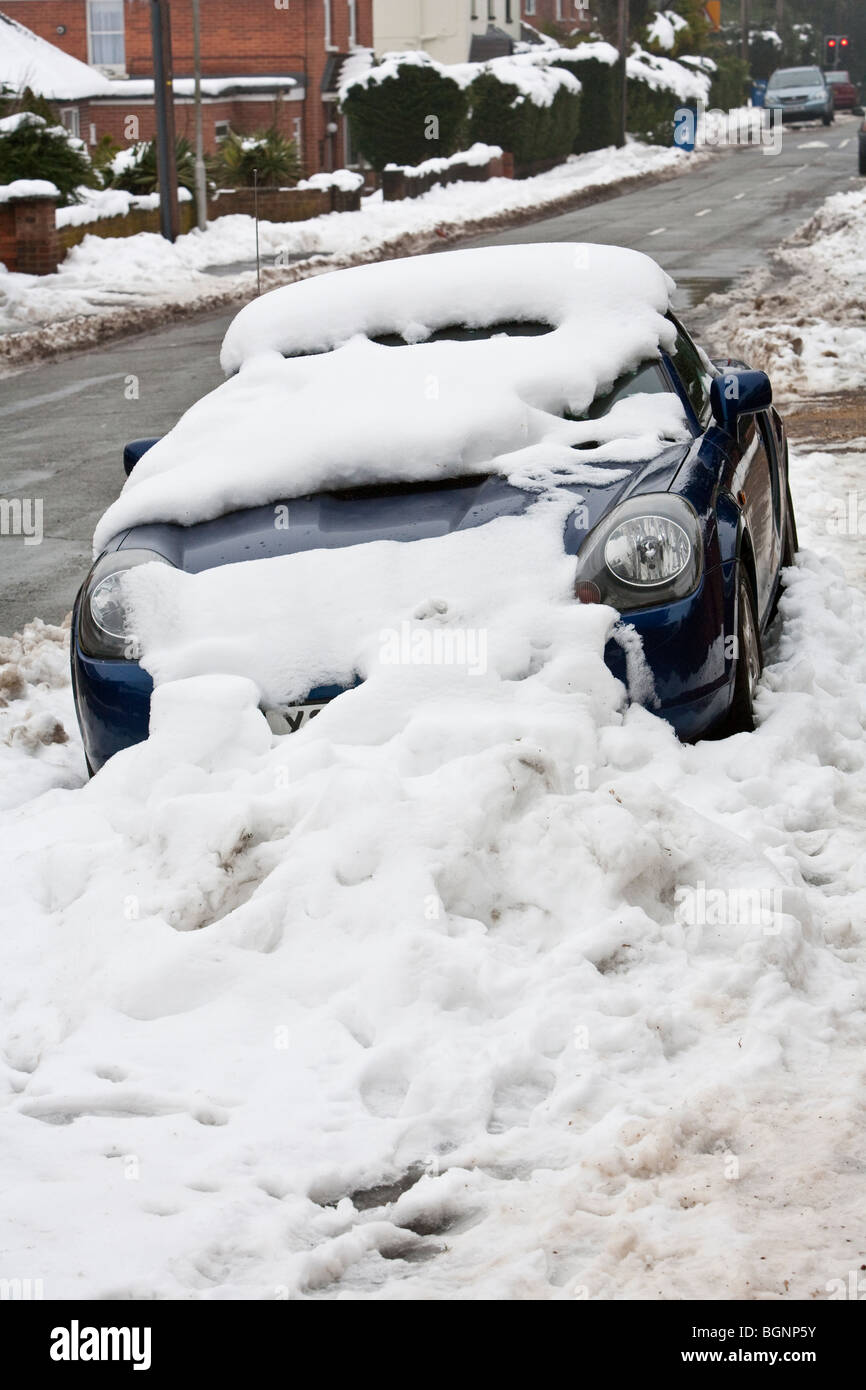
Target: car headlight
[[647, 551], [103, 621]]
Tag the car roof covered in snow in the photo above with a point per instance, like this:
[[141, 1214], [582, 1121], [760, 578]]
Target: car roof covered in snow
[[476, 288], [315, 399]]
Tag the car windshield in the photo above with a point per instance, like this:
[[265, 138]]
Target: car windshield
[[835, 77], [796, 77], [649, 379]]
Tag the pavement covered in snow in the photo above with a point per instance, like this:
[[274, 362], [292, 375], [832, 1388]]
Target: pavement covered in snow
[[481, 986]]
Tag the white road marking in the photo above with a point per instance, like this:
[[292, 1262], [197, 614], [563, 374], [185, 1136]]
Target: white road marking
[[843, 143], [658, 231], [813, 145], [779, 179], [738, 196], [703, 212]]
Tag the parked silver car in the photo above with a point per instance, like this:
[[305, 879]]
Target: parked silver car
[[801, 94]]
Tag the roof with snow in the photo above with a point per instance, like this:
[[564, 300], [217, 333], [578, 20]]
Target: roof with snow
[[29, 61]]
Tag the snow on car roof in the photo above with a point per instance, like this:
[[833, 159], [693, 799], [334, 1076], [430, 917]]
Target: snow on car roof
[[315, 403]]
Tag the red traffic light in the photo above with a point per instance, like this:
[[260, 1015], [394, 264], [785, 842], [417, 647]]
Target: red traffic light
[[831, 43], [844, 43]]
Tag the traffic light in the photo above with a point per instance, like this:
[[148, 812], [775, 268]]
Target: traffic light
[[836, 47]]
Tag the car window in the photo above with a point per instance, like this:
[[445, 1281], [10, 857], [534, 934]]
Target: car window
[[692, 371], [796, 77], [648, 379]]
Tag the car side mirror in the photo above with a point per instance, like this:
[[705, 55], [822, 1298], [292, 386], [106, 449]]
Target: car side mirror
[[133, 451], [736, 393]]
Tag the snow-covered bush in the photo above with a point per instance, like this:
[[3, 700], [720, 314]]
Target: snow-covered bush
[[388, 107], [595, 67], [271, 156], [532, 111], [30, 149], [134, 169]]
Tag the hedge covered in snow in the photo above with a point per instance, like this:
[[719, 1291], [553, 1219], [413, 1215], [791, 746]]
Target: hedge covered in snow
[[539, 105]]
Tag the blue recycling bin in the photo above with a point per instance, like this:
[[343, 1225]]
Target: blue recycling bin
[[759, 92]]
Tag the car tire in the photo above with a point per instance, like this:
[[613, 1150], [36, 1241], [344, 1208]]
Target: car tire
[[748, 664], [862, 157], [790, 546], [827, 120]]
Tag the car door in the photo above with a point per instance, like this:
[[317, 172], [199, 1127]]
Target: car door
[[757, 487], [756, 480]]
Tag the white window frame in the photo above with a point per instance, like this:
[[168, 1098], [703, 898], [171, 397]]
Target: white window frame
[[353, 23], [330, 46], [113, 69], [529, 7], [70, 119], [218, 134]]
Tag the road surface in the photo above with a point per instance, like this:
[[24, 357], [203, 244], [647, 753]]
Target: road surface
[[64, 424]]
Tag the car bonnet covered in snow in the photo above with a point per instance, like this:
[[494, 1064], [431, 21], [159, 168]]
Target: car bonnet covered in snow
[[315, 402]]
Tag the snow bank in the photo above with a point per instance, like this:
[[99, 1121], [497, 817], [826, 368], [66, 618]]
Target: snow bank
[[39, 745], [494, 405], [97, 203], [425, 1002], [803, 320]]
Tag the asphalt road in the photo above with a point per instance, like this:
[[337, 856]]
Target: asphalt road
[[63, 425]]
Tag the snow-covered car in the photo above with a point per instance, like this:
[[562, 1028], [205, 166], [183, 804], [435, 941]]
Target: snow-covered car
[[800, 94], [478, 398], [845, 95]]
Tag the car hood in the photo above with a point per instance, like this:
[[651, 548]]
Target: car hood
[[406, 512], [801, 93]]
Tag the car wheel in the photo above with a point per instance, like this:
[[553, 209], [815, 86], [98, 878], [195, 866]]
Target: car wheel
[[863, 157], [789, 546], [827, 119], [749, 662]]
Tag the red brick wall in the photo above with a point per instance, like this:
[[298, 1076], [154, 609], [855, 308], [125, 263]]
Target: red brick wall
[[28, 236]]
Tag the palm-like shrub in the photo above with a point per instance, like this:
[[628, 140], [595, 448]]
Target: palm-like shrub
[[274, 158], [135, 169], [36, 150]]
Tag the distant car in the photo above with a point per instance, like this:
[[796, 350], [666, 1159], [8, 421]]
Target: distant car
[[688, 544], [800, 94], [845, 95]]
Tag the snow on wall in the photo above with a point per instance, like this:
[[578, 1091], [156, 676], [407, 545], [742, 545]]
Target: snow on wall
[[489, 398]]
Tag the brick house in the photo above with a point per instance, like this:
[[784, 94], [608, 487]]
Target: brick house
[[559, 17], [263, 62]]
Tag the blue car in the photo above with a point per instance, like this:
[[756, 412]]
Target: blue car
[[688, 545]]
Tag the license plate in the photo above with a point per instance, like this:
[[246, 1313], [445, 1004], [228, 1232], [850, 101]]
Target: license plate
[[288, 719]]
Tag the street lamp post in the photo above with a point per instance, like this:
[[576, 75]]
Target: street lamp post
[[163, 95], [200, 180], [622, 39]]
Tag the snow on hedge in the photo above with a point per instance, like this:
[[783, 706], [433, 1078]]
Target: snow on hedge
[[664, 28], [531, 73], [497, 403], [477, 155], [663, 74]]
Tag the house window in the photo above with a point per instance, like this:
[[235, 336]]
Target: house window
[[71, 121], [530, 6], [491, 9], [297, 132], [508, 14], [473, 13], [353, 23], [105, 33], [329, 40], [559, 9], [221, 130]]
